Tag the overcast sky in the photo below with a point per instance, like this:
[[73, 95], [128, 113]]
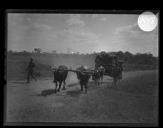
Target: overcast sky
[[84, 33]]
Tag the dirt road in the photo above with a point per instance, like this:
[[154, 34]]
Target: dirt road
[[135, 100]]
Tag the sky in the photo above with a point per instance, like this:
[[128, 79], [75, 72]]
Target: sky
[[84, 33]]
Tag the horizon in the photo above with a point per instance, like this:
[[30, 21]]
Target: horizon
[[51, 52], [83, 33]]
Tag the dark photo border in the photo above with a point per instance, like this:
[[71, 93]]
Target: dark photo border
[[64, 11]]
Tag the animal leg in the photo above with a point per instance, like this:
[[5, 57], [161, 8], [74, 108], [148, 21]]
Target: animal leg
[[115, 81], [96, 82], [81, 86], [64, 83], [34, 77], [85, 88], [28, 78], [60, 83], [101, 79], [56, 84]]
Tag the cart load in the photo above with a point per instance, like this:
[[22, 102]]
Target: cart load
[[111, 63]]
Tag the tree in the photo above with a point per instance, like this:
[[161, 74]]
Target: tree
[[37, 50], [128, 57], [120, 54], [54, 51], [10, 51]]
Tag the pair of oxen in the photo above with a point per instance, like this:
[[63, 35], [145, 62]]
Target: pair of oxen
[[83, 76]]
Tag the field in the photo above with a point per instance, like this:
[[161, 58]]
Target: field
[[17, 63], [134, 100]]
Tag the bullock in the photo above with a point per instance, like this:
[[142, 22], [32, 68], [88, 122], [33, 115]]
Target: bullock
[[83, 77], [98, 75], [101, 72], [60, 75]]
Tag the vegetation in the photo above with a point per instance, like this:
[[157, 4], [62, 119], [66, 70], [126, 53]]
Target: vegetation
[[17, 61]]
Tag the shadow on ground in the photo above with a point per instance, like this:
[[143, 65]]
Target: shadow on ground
[[19, 82], [74, 93], [47, 92]]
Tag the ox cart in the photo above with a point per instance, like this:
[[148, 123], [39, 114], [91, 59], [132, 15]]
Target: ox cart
[[112, 64]]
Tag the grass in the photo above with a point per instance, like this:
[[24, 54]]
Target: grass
[[135, 100]]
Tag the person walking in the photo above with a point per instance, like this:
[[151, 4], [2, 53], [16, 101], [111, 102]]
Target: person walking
[[30, 70]]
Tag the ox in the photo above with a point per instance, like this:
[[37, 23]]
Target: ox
[[98, 75], [101, 71], [60, 75]]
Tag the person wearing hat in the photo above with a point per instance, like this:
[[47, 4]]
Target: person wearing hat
[[30, 70]]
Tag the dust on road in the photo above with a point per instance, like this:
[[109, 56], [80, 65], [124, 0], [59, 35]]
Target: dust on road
[[37, 102]]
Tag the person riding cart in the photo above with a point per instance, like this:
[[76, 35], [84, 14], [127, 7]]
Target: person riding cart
[[111, 63]]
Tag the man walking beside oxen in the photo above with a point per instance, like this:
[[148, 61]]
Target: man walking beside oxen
[[30, 70]]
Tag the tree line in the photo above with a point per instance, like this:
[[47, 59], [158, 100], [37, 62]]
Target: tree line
[[127, 57]]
